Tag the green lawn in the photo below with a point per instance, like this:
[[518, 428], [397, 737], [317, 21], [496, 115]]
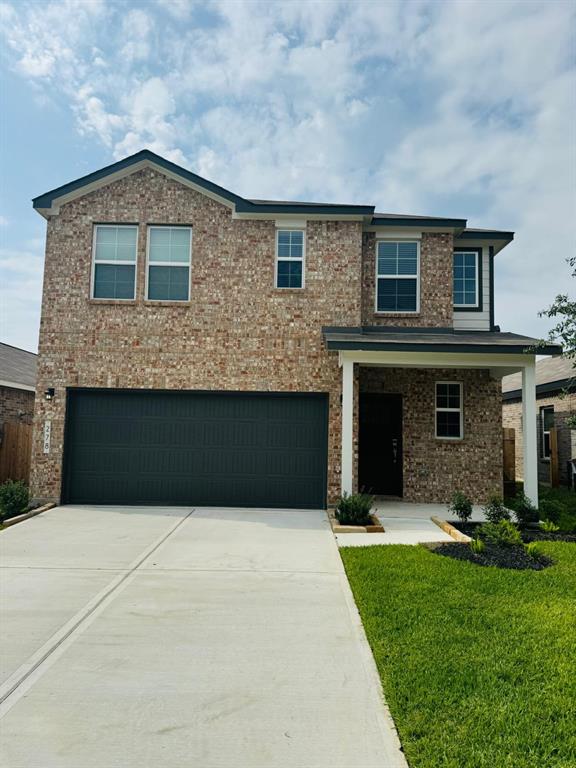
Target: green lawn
[[478, 665]]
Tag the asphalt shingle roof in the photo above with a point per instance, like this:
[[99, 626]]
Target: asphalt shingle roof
[[17, 365]]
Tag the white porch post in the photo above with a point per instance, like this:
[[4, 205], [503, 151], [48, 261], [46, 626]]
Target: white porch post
[[347, 424], [529, 432]]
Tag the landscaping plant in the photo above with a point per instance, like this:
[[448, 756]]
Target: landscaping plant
[[495, 510], [548, 526], [550, 509], [461, 506], [354, 509], [501, 534], [525, 511], [14, 498], [534, 550], [477, 546]]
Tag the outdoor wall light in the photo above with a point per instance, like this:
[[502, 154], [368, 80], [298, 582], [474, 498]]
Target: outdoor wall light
[[49, 393]]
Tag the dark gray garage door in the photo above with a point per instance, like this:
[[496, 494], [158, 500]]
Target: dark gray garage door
[[196, 448]]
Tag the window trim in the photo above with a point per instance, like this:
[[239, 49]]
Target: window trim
[[115, 262], [283, 258], [395, 277], [478, 306], [167, 263], [459, 410], [543, 409]]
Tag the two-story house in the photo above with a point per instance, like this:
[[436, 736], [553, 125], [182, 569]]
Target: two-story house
[[200, 348]]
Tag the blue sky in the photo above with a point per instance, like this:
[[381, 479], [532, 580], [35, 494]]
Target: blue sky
[[462, 109]]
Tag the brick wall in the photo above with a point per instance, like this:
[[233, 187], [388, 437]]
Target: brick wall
[[16, 405], [563, 408], [237, 333], [435, 284], [433, 468]]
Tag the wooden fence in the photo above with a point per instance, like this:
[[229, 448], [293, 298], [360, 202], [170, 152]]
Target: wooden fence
[[15, 452]]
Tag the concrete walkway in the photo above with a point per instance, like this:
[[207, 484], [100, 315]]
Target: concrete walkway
[[171, 637]]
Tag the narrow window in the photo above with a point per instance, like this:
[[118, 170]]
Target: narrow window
[[466, 284], [114, 262], [290, 258], [397, 276], [169, 261], [546, 424], [449, 410]]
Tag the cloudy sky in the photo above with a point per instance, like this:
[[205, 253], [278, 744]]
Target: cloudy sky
[[463, 109]]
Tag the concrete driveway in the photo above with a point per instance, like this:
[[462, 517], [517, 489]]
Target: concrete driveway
[[171, 637]]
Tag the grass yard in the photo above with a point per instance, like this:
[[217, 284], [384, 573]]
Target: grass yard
[[478, 665]]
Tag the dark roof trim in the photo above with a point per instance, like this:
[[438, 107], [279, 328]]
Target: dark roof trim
[[485, 234], [549, 388], [246, 206], [393, 346], [418, 222]]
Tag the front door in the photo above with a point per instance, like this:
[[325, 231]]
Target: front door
[[380, 444]]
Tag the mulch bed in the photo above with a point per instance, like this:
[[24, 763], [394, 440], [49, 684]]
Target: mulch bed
[[502, 557], [528, 534]]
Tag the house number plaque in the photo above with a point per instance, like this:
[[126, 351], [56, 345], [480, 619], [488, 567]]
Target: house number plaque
[[47, 434]]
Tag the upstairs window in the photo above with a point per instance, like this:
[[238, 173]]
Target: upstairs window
[[290, 258], [466, 280], [449, 422], [397, 276], [169, 261], [546, 424], [114, 262]]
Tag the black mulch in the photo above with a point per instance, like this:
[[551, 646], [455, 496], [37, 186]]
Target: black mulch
[[502, 557], [528, 534]]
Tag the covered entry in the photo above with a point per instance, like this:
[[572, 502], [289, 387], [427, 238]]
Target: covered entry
[[196, 448]]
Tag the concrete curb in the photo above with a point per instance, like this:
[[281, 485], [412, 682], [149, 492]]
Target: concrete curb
[[450, 530], [376, 527], [27, 515]]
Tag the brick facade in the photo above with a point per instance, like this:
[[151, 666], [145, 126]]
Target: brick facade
[[238, 332], [563, 408]]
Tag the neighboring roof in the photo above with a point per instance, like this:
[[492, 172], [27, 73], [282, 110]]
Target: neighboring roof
[[552, 375], [381, 338], [48, 203], [17, 367]]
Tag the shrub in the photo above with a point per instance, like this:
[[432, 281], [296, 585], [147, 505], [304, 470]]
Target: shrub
[[550, 509], [534, 551], [502, 534], [567, 522], [495, 510], [461, 506], [548, 526], [13, 498], [477, 546], [354, 509], [525, 511]]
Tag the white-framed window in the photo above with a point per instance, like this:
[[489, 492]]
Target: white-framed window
[[290, 252], [169, 263], [114, 251], [449, 411], [398, 276], [546, 424], [466, 279]]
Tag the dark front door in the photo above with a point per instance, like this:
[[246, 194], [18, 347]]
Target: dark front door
[[196, 448], [380, 444]]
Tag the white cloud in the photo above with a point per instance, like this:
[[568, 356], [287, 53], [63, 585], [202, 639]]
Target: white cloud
[[21, 293]]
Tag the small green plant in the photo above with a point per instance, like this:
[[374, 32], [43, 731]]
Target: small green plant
[[548, 526], [501, 534], [461, 506], [354, 509], [534, 551], [13, 498], [477, 546], [495, 510], [525, 510], [550, 509]]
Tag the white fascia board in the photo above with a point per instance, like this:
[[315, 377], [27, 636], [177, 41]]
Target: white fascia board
[[383, 231], [111, 178], [16, 385], [511, 362], [397, 234], [290, 223]]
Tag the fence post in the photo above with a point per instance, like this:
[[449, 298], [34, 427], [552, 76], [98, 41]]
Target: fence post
[[554, 466]]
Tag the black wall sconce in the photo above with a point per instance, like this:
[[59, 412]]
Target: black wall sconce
[[49, 393]]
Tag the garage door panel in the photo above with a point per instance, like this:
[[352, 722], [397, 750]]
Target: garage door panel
[[196, 448]]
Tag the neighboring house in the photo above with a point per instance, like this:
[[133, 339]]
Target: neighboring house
[[200, 348], [556, 402], [17, 384]]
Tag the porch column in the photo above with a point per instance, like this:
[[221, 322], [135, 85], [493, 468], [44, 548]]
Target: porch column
[[347, 424], [529, 432]]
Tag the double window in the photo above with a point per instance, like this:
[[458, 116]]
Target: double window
[[449, 421], [546, 424], [397, 276], [467, 279], [114, 263], [289, 258]]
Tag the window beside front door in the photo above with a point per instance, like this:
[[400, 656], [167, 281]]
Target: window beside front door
[[169, 261], [546, 424], [449, 411], [397, 276], [114, 262]]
